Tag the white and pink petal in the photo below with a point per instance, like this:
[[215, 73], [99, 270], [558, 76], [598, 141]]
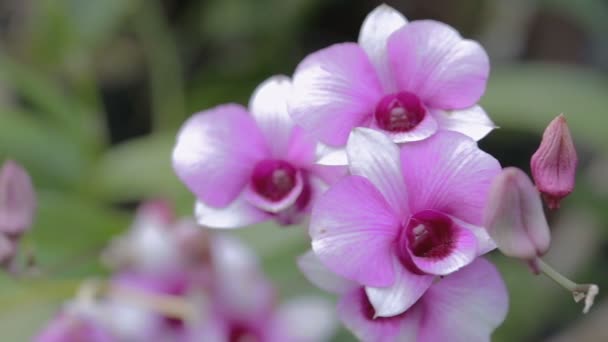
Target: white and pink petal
[[374, 156], [334, 90], [268, 106], [357, 314], [352, 229], [377, 27], [432, 60], [450, 174], [397, 298], [473, 121], [239, 213], [212, 158], [465, 306]]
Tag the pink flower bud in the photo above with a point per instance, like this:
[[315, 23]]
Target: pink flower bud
[[514, 216], [17, 199], [554, 163]]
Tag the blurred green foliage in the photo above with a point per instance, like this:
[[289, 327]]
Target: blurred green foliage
[[59, 60]]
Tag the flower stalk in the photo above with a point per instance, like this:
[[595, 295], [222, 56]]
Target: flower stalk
[[579, 291], [167, 305]]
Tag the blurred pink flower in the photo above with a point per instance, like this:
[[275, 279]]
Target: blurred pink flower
[[554, 163], [464, 306], [243, 303], [250, 166], [515, 218], [408, 80], [17, 199], [17, 209], [158, 243], [405, 215], [176, 281], [73, 326]]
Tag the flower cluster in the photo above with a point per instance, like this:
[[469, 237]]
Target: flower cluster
[[175, 281], [375, 142]]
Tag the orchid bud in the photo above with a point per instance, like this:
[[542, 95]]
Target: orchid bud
[[514, 216], [17, 199], [554, 163]]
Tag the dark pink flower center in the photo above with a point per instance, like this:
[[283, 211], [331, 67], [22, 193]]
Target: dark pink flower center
[[273, 179], [399, 112], [428, 234], [239, 332]]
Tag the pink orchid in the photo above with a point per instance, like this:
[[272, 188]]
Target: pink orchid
[[249, 166], [405, 215], [408, 80], [465, 306]]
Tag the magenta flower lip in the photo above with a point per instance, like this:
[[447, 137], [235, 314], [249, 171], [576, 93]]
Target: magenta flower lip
[[399, 112]]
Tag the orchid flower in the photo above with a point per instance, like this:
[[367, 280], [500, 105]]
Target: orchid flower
[[248, 166], [408, 80], [465, 306], [405, 215]]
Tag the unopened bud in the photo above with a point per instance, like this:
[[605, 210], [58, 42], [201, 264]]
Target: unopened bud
[[554, 163], [17, 199], [514, 216]]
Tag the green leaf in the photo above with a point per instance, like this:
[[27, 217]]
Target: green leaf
[[139, 168], [529, 96]]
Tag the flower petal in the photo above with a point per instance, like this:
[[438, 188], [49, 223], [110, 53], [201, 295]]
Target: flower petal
[[463, 253], [352, 230], [472, 121], [401, 295], [433, 61], [485, 243], [238, 214], [331, 156], [301, 149], [356, 313], [321, 276], [450, 174], [465, 306], [335, 90], [268, 106], [377, 27], [210, 156], [374, 156]]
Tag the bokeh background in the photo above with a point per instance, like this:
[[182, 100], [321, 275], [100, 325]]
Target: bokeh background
[[93, 92]]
